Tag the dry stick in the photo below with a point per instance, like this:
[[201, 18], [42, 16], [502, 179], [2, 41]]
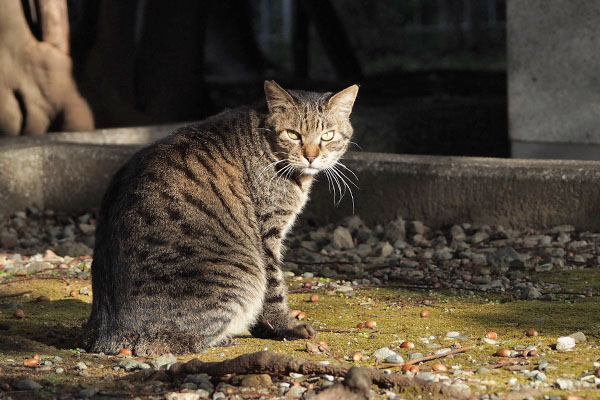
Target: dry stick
[[31, 278], [276, 364], [431, 357], [4, 296]]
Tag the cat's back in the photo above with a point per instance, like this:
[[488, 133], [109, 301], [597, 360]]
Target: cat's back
[[185, 184]]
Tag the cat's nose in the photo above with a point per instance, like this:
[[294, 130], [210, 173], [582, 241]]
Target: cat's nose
[[310, 159]]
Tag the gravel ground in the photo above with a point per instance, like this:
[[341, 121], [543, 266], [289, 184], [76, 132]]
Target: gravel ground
[[464, 258], [468, 257]]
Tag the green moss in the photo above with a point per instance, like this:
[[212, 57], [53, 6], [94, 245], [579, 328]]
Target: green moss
[[53, 328]]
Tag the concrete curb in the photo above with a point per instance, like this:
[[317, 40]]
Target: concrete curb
[[70, 171]]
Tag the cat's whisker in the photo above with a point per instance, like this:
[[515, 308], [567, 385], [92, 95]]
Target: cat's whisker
[[270, 165], [347, 169], [356, 144], [280, 174], [331, 185], [337, 172], [344, 175], [337, 181], [287, 176]]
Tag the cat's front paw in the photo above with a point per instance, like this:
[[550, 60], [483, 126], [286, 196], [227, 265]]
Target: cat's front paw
[[300, 331]]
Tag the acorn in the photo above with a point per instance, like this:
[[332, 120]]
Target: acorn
[[503, 353], [371, 324], [125, 352], [491, 335], [439, 367]]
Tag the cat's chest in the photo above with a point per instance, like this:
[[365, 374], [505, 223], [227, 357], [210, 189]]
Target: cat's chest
[[279, 206]]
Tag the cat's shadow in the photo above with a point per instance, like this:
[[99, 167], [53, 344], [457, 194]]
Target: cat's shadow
[[61, 333]]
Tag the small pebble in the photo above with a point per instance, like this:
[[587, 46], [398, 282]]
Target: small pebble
[[565, 343], [27, 384], [426, 376]]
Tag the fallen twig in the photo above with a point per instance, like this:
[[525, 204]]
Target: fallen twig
[[428, 358], [31, 278], [268, 362], [7, 295]]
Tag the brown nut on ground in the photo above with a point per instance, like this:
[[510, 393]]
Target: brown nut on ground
[[439, 367], [18, 313], [357, 356], [314, 298], [531, 332], [42, 299], [360, 325], [371, 324], [301, 315], [424, 314], [503, 353], [491, 335], [125, 352], [31, 362], [407, 345], [294, 313]]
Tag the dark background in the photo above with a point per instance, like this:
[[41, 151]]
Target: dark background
[[432, 72]]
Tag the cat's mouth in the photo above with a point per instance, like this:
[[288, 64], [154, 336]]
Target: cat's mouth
[[311, 171]]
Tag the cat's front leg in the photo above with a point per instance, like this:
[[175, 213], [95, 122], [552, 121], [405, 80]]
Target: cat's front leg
[[275, 320]]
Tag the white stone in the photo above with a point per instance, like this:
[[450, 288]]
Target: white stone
[[565, 343]]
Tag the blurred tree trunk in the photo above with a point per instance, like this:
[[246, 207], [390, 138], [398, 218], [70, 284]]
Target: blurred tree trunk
[[37, 90]]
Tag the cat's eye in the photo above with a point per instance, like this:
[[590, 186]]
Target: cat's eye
[[293, 135], [327, 136]]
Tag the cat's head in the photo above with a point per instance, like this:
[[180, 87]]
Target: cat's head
[[311, 130]]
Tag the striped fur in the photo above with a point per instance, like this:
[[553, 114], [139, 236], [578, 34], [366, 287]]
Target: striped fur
[[189, 240]]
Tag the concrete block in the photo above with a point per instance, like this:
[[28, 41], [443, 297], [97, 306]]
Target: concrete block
[[70, 172], [553, 81]]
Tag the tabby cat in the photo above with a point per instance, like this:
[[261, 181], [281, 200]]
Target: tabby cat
[[189, 240]]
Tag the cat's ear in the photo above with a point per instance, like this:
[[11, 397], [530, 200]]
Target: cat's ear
[[343, 101], [277, 97]]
